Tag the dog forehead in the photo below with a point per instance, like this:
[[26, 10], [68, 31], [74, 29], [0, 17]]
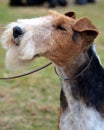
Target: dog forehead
[[36, 21], [61, 18], [64, 20], [46, 20]]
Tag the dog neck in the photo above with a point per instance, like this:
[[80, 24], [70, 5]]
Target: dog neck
[[74, 67], [82, 98]]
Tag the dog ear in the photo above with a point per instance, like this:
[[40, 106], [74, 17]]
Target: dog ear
[[71, 14], [87, 30]]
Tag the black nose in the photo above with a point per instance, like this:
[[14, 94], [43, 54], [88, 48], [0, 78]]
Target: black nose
[[17, 31]]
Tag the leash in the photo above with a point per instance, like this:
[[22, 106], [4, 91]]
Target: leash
[[80, 73], [44, 66], [31, 72]]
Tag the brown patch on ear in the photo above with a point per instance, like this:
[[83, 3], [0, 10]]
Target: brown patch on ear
[[71, 14], [84, 24], [86, 28]]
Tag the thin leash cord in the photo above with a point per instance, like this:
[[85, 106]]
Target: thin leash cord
[[79, 74], [22, 75]]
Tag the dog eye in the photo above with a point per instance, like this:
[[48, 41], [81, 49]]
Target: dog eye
[[60, 28]]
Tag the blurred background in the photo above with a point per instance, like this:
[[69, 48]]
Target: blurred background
[[32, 102]]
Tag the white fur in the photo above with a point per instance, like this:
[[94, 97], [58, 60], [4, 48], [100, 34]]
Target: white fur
[[78, 116], [37, 33], [94, 49]]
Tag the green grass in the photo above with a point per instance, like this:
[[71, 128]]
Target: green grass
[[32, 102]]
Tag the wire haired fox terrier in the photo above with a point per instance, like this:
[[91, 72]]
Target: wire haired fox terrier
[[68, 43]]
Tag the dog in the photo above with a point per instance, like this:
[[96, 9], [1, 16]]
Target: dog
[[69, 44]]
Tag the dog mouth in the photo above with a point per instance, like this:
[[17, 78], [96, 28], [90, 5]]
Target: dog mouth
[[36, 56], [18, 33], [17, 41]]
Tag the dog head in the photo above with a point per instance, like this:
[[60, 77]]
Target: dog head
[[57, 37]]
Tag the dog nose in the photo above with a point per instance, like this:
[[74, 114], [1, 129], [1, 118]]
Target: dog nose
[[17, 31]]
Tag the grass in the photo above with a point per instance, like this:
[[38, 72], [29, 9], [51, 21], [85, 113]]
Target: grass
[[32, 102]]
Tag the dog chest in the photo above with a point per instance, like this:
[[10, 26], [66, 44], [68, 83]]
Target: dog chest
[[80, 117]]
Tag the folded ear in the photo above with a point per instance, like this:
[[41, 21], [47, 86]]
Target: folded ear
[[87, 29], [71, 14]]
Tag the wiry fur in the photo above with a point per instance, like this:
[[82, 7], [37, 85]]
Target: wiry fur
[[67, 42], [19, 56]]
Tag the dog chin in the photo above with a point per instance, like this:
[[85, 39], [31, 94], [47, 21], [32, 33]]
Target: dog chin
[[14, 62]]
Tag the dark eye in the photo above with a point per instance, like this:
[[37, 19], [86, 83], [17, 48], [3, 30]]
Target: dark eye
[[60, 28]]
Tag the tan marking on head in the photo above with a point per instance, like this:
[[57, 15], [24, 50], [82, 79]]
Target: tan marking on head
[[51, 37], [54, 13], [63, 45], [64, 48]]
